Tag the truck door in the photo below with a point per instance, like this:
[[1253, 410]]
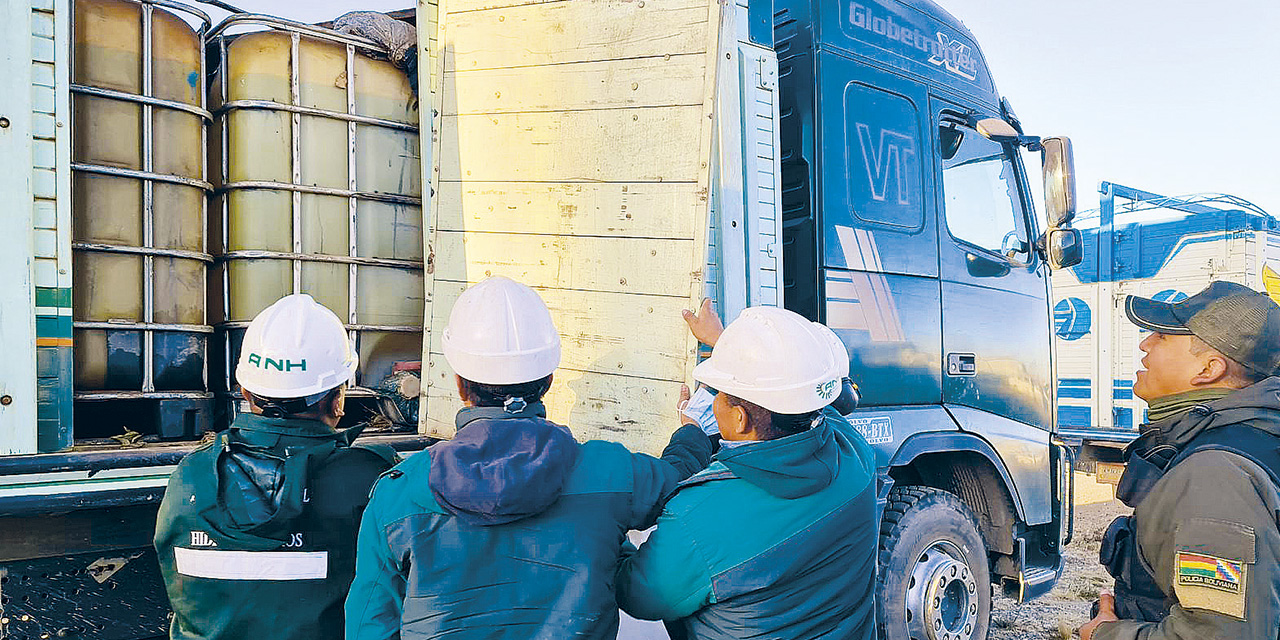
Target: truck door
[[995, 333], [879, 258]]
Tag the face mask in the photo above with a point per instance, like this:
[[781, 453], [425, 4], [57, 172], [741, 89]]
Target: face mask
[[698, 409]]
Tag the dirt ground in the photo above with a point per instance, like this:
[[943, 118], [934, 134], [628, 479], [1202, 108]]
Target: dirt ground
[[1056, 615]]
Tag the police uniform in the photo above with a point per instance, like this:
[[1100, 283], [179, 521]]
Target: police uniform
[[256, 535], [1200, 556]]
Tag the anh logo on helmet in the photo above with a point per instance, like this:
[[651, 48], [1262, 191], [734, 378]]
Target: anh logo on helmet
[[279, 365], [826, 390]]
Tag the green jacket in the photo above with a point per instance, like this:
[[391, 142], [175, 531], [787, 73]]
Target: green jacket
[[257, 531], [1207, 529], [775, 539]]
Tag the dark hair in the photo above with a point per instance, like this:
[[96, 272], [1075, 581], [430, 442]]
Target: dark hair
[[496, 395], [1236, 372], [306, 407], [769, 425]]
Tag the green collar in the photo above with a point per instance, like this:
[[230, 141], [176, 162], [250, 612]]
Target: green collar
[[283, 426], [467, 415], [1178, 403]]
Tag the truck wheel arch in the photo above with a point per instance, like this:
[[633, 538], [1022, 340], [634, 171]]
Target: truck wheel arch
[[969, 468]]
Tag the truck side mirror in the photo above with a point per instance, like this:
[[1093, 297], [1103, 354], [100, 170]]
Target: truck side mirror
[[1064, 247], [1059, 182]]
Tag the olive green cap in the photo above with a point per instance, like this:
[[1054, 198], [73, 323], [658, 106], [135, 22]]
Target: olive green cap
[[1241, 323]]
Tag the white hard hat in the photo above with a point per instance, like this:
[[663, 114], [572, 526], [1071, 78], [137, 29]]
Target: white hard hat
[[500, 332], [293, 349], [778, 360]]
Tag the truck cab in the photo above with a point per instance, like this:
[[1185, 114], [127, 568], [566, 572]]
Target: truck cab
[[909, 228]]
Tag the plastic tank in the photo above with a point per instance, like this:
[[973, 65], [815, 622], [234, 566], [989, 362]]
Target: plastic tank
[[138, 205], [318, 188]]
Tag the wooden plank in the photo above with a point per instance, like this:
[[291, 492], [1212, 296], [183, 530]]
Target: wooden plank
[[560, 178], [668, 210], [459, 6], [62, 102], [637, 82], [644, 336], [622, 265], [429, 85], [636, 412], [18, 433], [613, 145], [573, 31]]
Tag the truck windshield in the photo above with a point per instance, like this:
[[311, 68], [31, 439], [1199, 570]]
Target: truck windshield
[[980, 191], [1032, 165]]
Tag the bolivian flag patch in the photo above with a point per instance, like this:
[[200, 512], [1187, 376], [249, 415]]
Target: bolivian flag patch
[[1210, 571]]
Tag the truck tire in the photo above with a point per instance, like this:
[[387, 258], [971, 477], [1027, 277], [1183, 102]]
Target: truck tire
[[933, 582]]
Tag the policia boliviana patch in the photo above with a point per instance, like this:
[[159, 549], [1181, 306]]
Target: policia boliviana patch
[[1211, 565], [1217, 573], [1211, 583]]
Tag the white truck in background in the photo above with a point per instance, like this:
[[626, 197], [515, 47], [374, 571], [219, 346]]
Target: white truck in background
[[1154, 246]]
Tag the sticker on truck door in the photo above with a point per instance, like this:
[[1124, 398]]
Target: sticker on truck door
[[875, 430]]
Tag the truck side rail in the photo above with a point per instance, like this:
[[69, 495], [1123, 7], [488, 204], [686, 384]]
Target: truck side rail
[[62, 482]]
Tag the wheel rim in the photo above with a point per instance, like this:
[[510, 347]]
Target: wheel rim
[[942, 595]]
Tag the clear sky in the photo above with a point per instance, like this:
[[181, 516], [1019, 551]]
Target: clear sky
[[1171, 97], [1167, 96]]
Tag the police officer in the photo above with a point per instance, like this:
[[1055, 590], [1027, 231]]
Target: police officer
[[256, 535], [777, 537], [1200, 556], [512, 529]]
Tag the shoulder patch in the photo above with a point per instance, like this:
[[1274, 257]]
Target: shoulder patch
[[1211, 565], [1211, 571], [1211, 583]]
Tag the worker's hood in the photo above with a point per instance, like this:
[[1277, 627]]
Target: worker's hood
[[501, 467], [790, 467]]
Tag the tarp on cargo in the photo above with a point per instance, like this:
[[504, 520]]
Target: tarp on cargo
[[398, 37]]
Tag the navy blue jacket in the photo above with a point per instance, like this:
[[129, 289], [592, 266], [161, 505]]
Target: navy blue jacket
[[776, 539], [510, 530]]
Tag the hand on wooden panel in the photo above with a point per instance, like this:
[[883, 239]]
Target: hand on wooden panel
[[705, 324]]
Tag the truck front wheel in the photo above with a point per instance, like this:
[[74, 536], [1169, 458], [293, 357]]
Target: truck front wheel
[[934, 583]]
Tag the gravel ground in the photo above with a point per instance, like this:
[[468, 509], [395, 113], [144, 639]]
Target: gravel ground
[[1056, 615]]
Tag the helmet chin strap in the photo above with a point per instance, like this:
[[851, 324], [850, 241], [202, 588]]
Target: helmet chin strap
[[284, 407]]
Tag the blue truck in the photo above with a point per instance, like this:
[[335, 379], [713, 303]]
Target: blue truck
[[915, 239], [850, 160]]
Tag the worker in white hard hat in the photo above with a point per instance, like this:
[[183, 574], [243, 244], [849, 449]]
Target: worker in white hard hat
[[777, 537], [512, 530], [257, 532]]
